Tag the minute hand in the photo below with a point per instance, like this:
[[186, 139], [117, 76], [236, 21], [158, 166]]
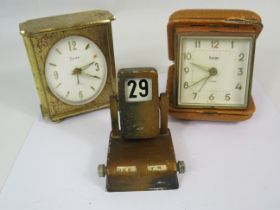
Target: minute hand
[[204, 78], [90, 75], [86, 66]]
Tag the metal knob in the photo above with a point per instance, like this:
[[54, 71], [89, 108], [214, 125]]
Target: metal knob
[[181, 167], [101, 169]]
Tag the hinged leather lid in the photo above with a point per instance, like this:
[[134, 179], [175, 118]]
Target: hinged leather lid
[[214, 18]]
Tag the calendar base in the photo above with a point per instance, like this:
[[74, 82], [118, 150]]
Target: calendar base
[[138, 165]]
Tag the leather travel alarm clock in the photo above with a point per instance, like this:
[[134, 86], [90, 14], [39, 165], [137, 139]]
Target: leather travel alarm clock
[[72, 62], [213, 53], [140, 154]]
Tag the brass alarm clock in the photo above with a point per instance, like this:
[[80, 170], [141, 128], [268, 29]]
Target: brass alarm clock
[[72, 61], [213, 53]]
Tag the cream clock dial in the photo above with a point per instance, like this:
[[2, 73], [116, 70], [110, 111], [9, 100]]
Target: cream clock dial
[[76, 70], [214, 71]]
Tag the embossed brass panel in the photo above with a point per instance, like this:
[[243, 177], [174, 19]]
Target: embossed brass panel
[[41, 34]]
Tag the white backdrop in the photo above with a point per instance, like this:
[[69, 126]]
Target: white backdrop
[[139, 40]]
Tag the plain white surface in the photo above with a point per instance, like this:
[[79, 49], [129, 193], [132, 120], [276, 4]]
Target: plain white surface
[[139, 40], [231, 166]]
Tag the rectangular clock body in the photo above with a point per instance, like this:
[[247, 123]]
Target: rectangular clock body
[[213, 53], [81, 38]]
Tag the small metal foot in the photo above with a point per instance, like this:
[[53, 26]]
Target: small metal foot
[[181, 167], [101, 169]]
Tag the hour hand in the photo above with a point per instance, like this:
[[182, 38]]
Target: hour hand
[[212, 71], [203, 68], [86, 66]]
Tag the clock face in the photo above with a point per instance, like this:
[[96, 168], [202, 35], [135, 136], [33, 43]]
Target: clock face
[[76, 70], [214, 71]]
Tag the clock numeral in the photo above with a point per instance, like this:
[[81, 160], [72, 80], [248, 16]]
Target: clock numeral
[[81, 95], [215, 43], [227, 97], [55, 75], [194, 95], [186, 85], [97, 66], [241, 57], [240, 71], [72, 45], [238, 86], [186, 69], [187, 56], [211, 97], [197, 43]]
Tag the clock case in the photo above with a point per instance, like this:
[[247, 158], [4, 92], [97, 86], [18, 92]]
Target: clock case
[[41, 34], [209, 22]]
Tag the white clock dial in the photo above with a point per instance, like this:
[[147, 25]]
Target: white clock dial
[[76, 70], [214, 71]]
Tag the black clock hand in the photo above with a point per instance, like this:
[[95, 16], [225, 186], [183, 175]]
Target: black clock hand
[[90, 75], [201, 67], [79, 70], [78, 80], [204, 83], [195, 83], [86, 66], [212, 72]]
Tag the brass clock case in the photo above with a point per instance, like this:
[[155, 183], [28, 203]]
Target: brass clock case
[[41, 34]]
